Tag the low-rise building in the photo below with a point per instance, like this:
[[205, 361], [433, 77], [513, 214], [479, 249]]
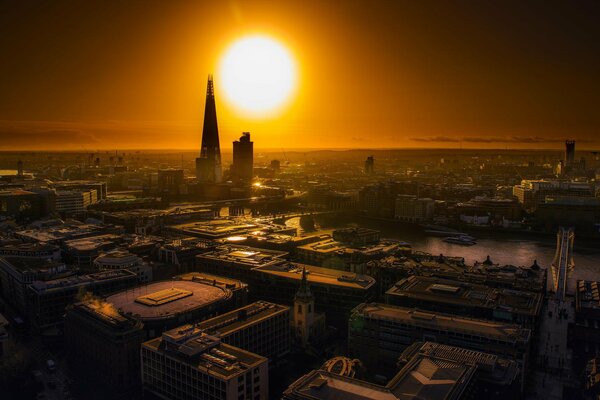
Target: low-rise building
[[584, 334], [379, 333], [39, 251], [429, 372], [17, 274], [466, 298], [47, 300]]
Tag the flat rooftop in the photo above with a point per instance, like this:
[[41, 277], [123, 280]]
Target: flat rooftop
[[92, 243], [232, 321], [215, 280], [438, 290], [508, 333], [217, 228], [82, 280], [63, 232], [319, 275], [206, 353], [34, 265], [167, 299], [243, 255]]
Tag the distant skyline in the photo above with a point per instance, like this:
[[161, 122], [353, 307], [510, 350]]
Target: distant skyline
[[387, 74]]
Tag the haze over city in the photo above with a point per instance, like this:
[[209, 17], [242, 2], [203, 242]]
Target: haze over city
[[130, 75]]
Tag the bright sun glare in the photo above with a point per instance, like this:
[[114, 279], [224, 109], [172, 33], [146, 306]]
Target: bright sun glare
[[258, 75]]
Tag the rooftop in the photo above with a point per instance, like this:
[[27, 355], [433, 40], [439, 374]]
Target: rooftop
[[468, 294], [167, 299], [243, 255], [230, 322], [510, 333], [193, 347], [82, 280], [319, 275]]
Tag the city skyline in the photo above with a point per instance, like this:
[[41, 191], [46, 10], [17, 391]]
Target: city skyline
[[390, 75]]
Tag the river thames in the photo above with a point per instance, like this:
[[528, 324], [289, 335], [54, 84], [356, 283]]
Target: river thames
[[503, 248]]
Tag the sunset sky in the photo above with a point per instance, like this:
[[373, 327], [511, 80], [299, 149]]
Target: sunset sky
[[115, 74]]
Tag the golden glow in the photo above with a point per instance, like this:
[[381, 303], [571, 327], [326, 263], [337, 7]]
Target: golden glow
[[257, 75]]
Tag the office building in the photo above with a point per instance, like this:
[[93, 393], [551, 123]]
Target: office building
[[208, 165], [243, 159], [379, 333], [411, 208], [370, 165], [74, 202], [185, 363], [569, 161], [273, 279], [239, 289], [532, 193], [39, 251], [104, 344], [122, 259], [20, 204], [430, 371], [47, 300], [261, 327], [17, 274], [584, 334], [166, 304], [468, 299]]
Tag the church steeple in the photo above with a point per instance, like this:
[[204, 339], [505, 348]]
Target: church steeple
[[303, 292], [304, 312]]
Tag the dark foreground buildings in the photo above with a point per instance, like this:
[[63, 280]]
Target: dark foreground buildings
[[426, 371], [186, 363]]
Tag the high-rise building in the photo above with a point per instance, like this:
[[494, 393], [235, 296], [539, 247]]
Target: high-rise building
[[243, 158], [569, 153], [370, 165], [208, 165]]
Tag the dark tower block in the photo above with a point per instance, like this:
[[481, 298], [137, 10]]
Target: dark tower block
[[569, 153], [208, 165], [242, 168]]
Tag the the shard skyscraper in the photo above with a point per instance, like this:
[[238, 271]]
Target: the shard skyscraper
[[208, 165]]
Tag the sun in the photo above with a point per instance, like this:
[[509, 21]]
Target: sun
[[257, 75]]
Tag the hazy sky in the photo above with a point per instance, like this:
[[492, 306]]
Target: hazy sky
[[132, 74]]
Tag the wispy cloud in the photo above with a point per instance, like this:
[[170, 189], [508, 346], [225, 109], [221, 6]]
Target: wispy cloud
[[495, 139]]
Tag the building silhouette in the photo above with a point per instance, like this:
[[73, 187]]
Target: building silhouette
[[370, 165], [208, 165], [569, 153], [243, 158]]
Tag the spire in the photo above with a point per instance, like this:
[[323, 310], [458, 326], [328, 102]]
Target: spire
[[303, 292], [208, 165]]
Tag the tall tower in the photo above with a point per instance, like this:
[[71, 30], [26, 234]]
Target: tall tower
[[569, 153], [304, 312], [208, 165], [242, 168]]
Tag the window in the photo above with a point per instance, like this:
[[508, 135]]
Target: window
[[299, 309]]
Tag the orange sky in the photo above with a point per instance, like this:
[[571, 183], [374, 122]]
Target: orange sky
[[111, 74]]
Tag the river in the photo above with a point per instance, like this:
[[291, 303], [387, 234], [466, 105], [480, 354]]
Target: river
[[502, 248]]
